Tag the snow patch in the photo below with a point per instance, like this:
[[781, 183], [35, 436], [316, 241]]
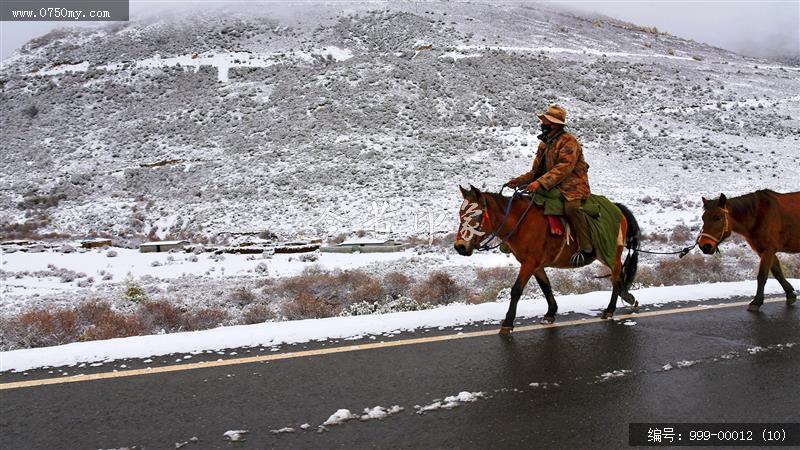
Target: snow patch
[[339, 417], [613, 374], [235, 435], [380, 413], [450, 402], [686, 363]]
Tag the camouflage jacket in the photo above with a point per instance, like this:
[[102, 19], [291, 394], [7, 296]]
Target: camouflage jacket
[[559, 163]]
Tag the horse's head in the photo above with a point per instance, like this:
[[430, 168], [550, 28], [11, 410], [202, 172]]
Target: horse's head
[[470, 216], [716, 224]]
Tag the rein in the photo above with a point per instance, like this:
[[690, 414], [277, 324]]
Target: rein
[[484, 244]]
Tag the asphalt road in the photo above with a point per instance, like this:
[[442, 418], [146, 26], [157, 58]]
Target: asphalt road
[[728, 365]]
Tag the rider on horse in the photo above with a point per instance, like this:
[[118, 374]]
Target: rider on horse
[[559, 164]]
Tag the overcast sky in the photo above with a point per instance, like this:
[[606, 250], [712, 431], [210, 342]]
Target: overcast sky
[[757, 28]]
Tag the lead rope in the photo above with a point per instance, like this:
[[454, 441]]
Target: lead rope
[[686, 250]]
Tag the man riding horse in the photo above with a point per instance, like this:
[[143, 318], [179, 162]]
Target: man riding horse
[[559, 164]]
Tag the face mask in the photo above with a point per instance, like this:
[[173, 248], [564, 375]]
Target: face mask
[[546, 128]]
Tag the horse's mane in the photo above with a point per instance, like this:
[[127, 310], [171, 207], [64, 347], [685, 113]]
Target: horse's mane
[[747, 204]]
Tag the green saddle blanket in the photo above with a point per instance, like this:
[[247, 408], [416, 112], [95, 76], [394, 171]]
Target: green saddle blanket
[[604, 220]]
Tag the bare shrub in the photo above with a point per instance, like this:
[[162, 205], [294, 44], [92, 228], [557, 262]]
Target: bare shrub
[[34, 200], [397, 284], [161, 315], [135, 292], [342, 288], [242, 296], [28, 230], [688, 270], [575, 282], [268, 235], [258, 313], [490, 281], [308, 306], [203, 319], [338, 239], [681, 233], [91, 312], [31, 111], [439, 289], [40, 328], [660, 238], [444, 240], [115, 325], [791, 266]]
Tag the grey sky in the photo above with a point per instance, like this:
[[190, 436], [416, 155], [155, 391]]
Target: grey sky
[[757, 28]]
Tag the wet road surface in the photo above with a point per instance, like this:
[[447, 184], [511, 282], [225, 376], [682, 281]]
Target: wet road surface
[[724, 365]]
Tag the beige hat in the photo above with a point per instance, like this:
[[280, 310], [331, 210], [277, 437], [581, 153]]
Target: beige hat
[[555, 114]]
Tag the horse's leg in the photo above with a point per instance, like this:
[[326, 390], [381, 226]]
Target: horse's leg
[[544, 284], [623, 292], [763, 273], [777, 272], [628, 297], [525, 273], [616, 288]]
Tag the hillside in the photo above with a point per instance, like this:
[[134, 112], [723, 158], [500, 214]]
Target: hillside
[[315, 122]]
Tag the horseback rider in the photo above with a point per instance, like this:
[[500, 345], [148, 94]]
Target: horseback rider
[[559, 163]]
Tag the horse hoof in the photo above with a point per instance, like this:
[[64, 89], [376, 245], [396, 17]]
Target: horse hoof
[[506, 330], [607, 315], [791, 300], [635, 306], [547, 320], [753, 308]]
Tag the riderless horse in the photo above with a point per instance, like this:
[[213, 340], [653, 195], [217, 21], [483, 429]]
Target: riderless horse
[[769, 222]]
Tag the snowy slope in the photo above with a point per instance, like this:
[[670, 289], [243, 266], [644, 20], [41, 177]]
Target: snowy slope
[[337, 118]]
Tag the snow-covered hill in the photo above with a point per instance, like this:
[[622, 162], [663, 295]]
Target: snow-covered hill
[[316, 121]]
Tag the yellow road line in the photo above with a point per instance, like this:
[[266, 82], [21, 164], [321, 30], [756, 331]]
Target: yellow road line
[[351, 348]]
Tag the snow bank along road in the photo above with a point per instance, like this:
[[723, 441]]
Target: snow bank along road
[[690, 363]]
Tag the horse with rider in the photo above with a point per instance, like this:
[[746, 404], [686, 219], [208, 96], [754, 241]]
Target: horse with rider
[[553, 220]]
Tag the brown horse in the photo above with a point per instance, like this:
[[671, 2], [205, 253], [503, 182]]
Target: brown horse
[[769, 221], [526, 232]]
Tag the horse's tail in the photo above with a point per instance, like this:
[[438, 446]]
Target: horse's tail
[[632, 239]]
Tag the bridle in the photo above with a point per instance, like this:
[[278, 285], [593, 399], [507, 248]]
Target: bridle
[[485, 221], [725, 229]]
